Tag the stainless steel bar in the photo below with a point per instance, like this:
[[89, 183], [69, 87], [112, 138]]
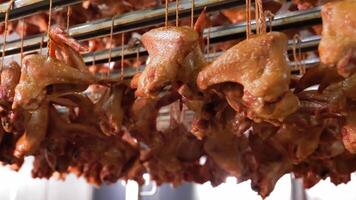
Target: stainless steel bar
[[127, 22], [24, 8], [294, 19]]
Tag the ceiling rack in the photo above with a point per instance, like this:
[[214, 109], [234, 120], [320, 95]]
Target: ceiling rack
[[294, 19], [24, 8], [123, 23]]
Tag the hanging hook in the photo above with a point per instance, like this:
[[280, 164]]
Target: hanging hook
[[11, 3], [192, 14], [122, 55], [22, 37], [110, 42], [41, 43], [49, 23], [166, 14], [137, 57], [270, 16], [297, 45], [248, 18], [177, 13], [208, 43], [69, 13]]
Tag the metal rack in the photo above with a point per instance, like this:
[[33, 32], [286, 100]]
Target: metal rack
[[24, 8], [224, 33], [123, 23], [139, 19]]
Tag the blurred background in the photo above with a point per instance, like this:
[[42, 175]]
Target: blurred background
[[20, 186]]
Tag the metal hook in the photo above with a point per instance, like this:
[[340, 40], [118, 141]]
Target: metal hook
[[41, 43], [270, 16], [122, 55], [69, 13], [192, 14], [166, 13], [177, 13], [248, 18], [297, 45], [11, 3], [110, 42], [49, 23], [22, 36]]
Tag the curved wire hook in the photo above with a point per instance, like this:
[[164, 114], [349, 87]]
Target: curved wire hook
[[192, 14], [177, 13], [122, 55], [166, 13], [270, 16], [11, 4], [297, 46], [110, 42], [49, 24]]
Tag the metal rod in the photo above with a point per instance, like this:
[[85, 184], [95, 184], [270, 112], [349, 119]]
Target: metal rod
[[24, 8], [307, 44], [126, 22], [131, 71]]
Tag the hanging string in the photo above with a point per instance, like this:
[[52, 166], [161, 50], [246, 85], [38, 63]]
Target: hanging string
[[93, 63], [49, 23], [166, 14], [259, 17], [248, 18], [297, 45], [270, 16], [208, 44], [122, 55], [192, 14], [137, 58], [5, 32], [41, 43], [177, 13], [69, 13], [22, 36], [110, 43], [49, 26]]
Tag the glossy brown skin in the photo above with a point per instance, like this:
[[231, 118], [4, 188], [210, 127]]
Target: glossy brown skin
[[260, 66], [349, 132], [35, 132], [39, 72], [338, 40], [174, 54], [10, 77]]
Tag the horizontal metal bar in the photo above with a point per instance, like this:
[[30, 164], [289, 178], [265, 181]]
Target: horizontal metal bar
[[123, 23], [218, 34], [295, 19], [24, 8]]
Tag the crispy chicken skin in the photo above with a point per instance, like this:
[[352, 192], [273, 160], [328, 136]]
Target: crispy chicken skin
[[338, 42], [260, 66], [174, 55]]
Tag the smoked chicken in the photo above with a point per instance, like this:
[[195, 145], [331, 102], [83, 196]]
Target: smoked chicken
[[338, 41], [174, 57], [260, 66]]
